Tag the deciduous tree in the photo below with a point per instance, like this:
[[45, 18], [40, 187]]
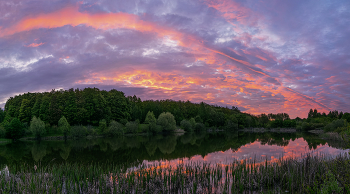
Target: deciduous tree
[[37, 127]]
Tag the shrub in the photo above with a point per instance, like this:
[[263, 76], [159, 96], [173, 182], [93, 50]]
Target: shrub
[[102, 126], [114, 129], [37, 127], [15, 130], [340, 123], [305, 126], [54, 129], [144, 127], [78, 131], [90, 130], [186, 125], [132, 126], [199, 127], [2, 132], [193, 122], [123, 121], [167, 121], [47, 128]]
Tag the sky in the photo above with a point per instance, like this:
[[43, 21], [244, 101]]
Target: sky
[[260, 56]]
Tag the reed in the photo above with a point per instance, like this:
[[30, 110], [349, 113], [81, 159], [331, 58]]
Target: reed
[[310, 174]]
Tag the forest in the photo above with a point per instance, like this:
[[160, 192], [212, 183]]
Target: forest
[[91, 111]]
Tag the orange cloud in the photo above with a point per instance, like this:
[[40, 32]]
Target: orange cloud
[[35, 45], [175, 82]]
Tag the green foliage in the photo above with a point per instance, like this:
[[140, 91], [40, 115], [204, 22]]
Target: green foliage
[[123, 121], [186, 125], [333, 126], [307, 126], [44, 109], [152, 122], [346, 116], [15, 130], [167, 121], [64, 126], [132, 126], [143, 127], [37, 127], [25, 111], [102, 126], [150, 118], [78, 131], [2, 115], [330, 184], [199, 127], [36, 107], [2, 132], [231, 126], [114, 129], [90, 130]]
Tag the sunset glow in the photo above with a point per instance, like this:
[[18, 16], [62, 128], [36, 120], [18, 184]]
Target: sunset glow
[[261, 57]]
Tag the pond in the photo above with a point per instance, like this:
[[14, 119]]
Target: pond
[[170, 149]]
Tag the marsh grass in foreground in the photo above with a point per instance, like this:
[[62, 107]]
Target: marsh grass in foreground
[[311, 174]]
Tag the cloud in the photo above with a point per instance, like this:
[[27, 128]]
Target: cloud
[[230, 53]]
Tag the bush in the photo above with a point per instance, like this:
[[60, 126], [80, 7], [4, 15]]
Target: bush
[[37, 127], [78, 131], [132, 126], [102, 126], [15, 130], [199, 127], [114, 129], [144, 127], [54, 130], [305, 126], [333, 126], [2, 132], [186, 125], [193, 122], [47, 128], [90, 130], [123, 121], [167, 121]]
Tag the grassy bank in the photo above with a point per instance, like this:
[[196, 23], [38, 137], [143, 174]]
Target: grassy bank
[[312, 174]]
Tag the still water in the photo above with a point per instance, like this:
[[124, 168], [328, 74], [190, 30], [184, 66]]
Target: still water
[[171, 149]]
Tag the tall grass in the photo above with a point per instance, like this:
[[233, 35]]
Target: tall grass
[[311, 174]]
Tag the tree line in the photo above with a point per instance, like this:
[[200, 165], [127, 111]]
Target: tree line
[[111, 112]]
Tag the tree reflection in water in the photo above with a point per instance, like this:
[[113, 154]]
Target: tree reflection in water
[[130, 149]]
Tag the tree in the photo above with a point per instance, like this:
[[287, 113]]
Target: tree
[[15, 130], [186, 125], [36, 107], [151, 121], [37, 127], [114, 129], [132, 126], [2, 115], [346, 116], [44, 109], [167, 121], [102, 126], [64, 126], [25, 111]]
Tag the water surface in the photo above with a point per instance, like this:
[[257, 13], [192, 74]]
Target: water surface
[[171, 149]]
